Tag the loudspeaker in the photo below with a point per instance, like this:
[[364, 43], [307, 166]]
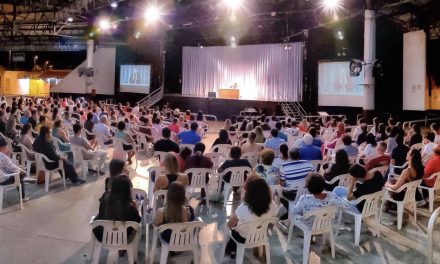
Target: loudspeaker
[[212, 95]]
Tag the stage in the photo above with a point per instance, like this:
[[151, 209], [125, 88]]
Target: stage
[[222, 108]]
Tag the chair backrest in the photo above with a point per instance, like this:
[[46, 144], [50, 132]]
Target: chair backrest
[[371, 203], [40, 158], [77, 153], [161, 155], [381, 169], [317, 165], [322, 219], [252, 157], [436, 185], [300, 187], [217, 158], [237, 175], [184, 236], [156, 195], [190, 146], [343, 180], [353, 159], [198, 177], [257, 231], [140, 197], [156, 169], [222, 148], [411, 188], [114, 235], [430, 231], [426, 159]]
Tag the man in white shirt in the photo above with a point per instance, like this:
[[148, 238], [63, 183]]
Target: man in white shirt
[[429, 144], [436, 129], [102, 130], [87, 151], [8, 167], [156, 130]]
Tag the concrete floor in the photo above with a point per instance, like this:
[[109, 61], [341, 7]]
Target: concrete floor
[[54, 228]]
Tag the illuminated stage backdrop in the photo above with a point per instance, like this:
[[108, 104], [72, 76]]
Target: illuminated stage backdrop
[[272, 72]]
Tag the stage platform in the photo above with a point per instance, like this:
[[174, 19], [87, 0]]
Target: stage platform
[[222, 108]]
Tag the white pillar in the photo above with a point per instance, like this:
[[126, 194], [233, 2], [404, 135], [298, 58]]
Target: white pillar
[[369, 57], [90, 50]]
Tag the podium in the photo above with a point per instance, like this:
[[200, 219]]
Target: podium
[[229, 93]]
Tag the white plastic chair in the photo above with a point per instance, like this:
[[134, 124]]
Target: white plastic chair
[[237, 180], [410, 189], [57, 142], [257, 236], [40, 159], [317, 165], [190, 146], [5, 188], [141, 204], [217, 159], [381, 169], [142, 143], [343, 180], [222, 148], [198, 181], [79, 159], [25, 153], [160, 155], [430, 231], [115, 238], [100, 139], [392, 174], [157, 170], [371, 205], [431, 190], [184, 237], [252, 157], [119, 143], [322, 223]]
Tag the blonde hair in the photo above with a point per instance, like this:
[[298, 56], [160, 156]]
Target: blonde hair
[[227, 124], [171, 164]]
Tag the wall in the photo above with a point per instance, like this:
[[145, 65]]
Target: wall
[[103, 80]]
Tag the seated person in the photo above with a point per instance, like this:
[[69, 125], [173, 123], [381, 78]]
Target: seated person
[[370, 150], [116, 167], [250, 145], [102, 130], [189, 137], [175, 210], [124, 135], [281, 135], [381, 159], [87, 151], [317, 198], [340, 167], [399, 153], [432, 166], [361, 183], [223, 138], [270, 173], [283, 157], [429, 144], [166, 144], [413, 172], [43, 144], [309, 151], [260, 138], [316, 140], [171, 165], [274, 142], [257, 204], [235, 161], [351, 150], [362, 137], [7, 166], [117, 205]]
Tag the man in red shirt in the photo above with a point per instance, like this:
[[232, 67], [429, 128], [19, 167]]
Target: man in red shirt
[[381, 158], [432, 166]]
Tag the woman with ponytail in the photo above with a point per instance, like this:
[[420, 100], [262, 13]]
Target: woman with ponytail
[[197, 160]]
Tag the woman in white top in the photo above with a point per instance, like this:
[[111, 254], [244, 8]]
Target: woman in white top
[[250, 145], [257, 204], [370, 148]]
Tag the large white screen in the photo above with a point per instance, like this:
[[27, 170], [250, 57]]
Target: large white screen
[[135, 79], [337, 88]]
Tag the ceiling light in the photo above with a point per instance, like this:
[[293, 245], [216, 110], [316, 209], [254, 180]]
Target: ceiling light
[[331, 5], [137, 35], [70, 19], [114, 4], [233, 4], [104, 24], [152, 14]]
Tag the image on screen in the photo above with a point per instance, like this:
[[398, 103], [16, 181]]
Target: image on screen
[[336, 87], [135, 79]]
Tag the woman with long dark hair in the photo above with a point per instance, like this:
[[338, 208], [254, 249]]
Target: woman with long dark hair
[[198, 160], [174, 210], [341, 166], [283, 157], [117, 205], [415, 171], [257, 204], [223, 138]]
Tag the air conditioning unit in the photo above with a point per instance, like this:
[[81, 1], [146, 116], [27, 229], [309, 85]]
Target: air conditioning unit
[[88, 72]]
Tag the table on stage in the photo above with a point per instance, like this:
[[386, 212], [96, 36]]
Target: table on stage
[[229, 93]]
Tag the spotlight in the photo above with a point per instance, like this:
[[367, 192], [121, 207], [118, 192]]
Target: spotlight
[[70, 19], [233, 42], [152, 14], [232, 4], [114, 4], [331, 5], [137, 35], [104, 24], [339, 35]]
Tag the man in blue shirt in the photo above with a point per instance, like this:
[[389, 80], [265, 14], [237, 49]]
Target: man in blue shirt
[[309, 151], [189, 137], [274, 142], [351, 150], [281, 135]]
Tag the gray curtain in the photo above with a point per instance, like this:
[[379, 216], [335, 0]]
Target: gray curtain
[[272, 72]]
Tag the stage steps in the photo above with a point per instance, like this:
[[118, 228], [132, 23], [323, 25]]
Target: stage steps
[[151, 99], [293, 109]]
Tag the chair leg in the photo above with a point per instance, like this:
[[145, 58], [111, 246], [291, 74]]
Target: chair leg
[[381, 209], [28, 168], [267, 247], [376, 219], [92, 248], [222, 252], [20, 191], [130, 254], [306, 247], [153, 246], [399, 215], [225, 195], [431, 200], [240, 254], [47, 176], [1, 199], [196, 255], [332, 242], [289, 236], [164, 254], [415, 210], [357, 229]]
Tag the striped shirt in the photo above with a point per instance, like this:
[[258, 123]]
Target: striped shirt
[[294, 171], [274, 143]]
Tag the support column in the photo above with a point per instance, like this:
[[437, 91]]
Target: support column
[[90, 50], [369, 57]]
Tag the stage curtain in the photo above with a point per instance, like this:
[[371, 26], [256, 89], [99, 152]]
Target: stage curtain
[[272, 72]]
